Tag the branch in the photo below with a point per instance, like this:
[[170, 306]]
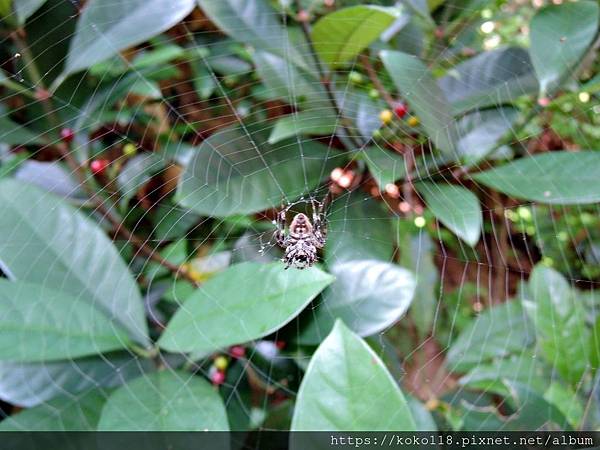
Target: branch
[[366, 62], [45, 98]]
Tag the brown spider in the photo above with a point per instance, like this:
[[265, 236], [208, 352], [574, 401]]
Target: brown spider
[[304, 238]]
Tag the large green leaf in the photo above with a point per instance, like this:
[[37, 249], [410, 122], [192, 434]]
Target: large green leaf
[[418, 87], [31, 384], [106, 28], [25, 8], [65, 413], [559, 323], [385, 167], [368, 295], [288, 82], [489, 79], [235, 171], [38, 323], [456, 207], [253, 22], [347, 388], [165, 401], [416, 254], [343, 34], [307, 123], [14, 134], [560, 35], [559, 178], [359, 228], [495, 333], [480, 131], [242, 303], [45, 241]]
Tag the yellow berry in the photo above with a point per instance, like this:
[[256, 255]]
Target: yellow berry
[[386, 116], [129, 150], [221, 363], [193, 273], [413, 121]]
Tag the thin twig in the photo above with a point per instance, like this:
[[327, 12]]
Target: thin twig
[[324, 80], [366, 62], [79, 170]]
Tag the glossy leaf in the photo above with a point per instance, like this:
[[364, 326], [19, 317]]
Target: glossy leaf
[[65, 413], [416, 254], [137, 171], [52, 177], [253, 22], [25, 8], [14, 134], [559, 323], [31, 384], [368, 295], [165, 401], [235, 171], [489, 79], [303, 124], [417, 86], [242, 303], [456, 207], [385, 166], [343, 34], [72, 254], [560, 35], [41, 324], [347, 388], [559, 178], [359, 228], [288, 82], [480, 131], [495, 333], [106, 28]]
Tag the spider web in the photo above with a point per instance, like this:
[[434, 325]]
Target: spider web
[[469, 281]]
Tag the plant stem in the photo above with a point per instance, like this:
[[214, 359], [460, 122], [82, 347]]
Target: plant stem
[[79, 170], [366, 62], [324, 80]]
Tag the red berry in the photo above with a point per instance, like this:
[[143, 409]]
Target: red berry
[[237, 351], [400, 110], [67, 135], [98, 166], [280, 344], [217, 377]]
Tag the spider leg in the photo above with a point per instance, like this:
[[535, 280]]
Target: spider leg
[[280, 232], [320, 223]]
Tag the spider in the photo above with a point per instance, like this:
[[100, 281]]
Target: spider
[[303, 238]]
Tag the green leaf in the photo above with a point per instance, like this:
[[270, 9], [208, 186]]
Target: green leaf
[[456, 207], [260, 299], [489, 79], [288, 82], [31, 384], [559, 323], [52, 177], [343, 34], [418, 87], [416, 254], [136, 172], [566, 401], [104, 29], [41, 324], [559, 178], [385, 166], [560, 35], [12, 133], [495, 333], [235, 171], [480, 131], [25, 8], [347, 388], [359, 228], [65, 413], [165, 401], [253, 22], [302, 124], [368, 295], [47, 242], [423, 418]]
